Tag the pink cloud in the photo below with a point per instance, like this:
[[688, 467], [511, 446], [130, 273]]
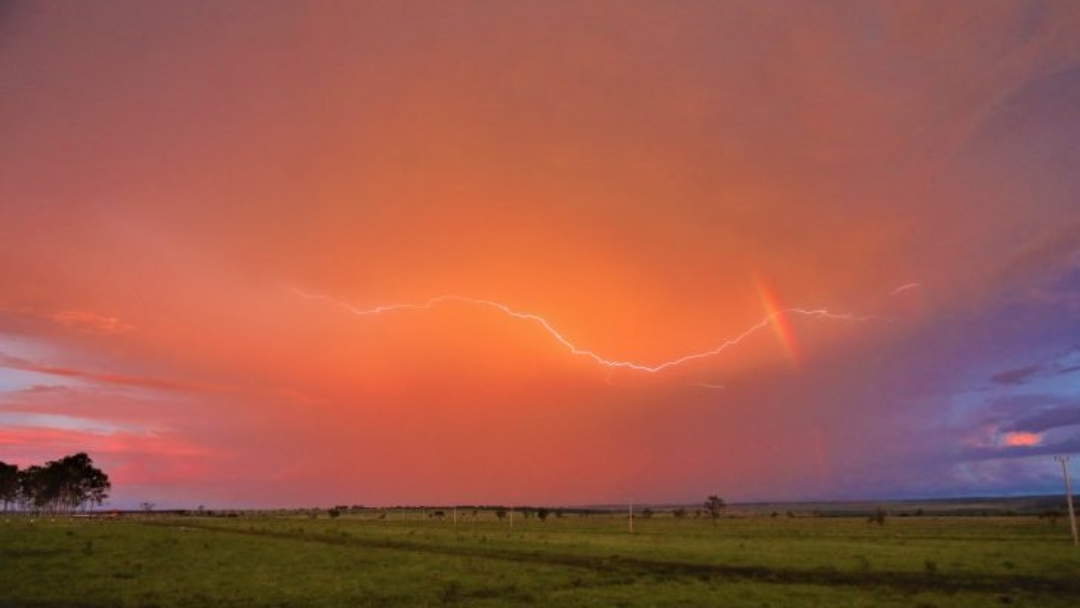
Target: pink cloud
[[108, 378], [1020, 439], [91, 322]]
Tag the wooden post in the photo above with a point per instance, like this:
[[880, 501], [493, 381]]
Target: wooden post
[[1068, 496]]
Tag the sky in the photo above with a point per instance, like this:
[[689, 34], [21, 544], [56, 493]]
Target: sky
[[258, 254]]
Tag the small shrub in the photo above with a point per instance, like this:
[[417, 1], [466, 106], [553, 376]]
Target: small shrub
[[451, 592]]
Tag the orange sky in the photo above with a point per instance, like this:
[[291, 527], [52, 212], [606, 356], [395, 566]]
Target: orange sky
[[196, 202]]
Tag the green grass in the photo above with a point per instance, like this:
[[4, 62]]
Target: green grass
[[572, 561]]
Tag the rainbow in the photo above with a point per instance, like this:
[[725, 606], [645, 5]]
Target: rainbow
[[780, 322]]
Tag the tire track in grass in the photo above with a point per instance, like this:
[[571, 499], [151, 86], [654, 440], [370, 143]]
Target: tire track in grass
[[638, 566]]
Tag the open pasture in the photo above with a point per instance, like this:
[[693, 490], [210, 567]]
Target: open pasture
[[359, 560]]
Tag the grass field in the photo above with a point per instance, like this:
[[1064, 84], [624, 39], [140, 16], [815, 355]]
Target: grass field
[[358, 560]]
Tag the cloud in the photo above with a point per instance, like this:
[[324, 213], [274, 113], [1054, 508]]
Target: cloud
[[1015, 376], [108, 378], [1052, 254], [58, 421], [1066, 445], [1061, 362], [1020, 439], [84, 321], [91, 322], [1061, 416]]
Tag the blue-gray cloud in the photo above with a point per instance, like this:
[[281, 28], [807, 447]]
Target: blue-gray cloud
[[1052, 418]]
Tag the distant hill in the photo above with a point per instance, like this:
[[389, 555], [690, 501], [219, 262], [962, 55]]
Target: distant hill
[[973, 505]]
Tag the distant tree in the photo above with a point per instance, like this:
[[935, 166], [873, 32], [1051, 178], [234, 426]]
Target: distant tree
[[334, 513], [9, 484], [715, 506], [1050, 516], [878, 517], [147, 506], [679, 513], [500, 513], [646, 513], [542, 513]]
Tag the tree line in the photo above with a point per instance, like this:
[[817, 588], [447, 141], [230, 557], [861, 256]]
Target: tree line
[[66, 485]]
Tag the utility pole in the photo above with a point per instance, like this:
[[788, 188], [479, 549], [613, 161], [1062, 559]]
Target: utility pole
[[1064, 460]]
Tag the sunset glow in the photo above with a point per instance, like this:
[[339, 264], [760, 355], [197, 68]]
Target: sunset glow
[[291, 254]]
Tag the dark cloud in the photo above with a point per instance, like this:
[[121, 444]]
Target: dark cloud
[[1065, 446], [1065, 415], [1016, 376], [1063, 362]]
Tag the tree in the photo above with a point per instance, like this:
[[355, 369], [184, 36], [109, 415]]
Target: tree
[[679, 513], [715, 506], [60, 485], [32, 491], [542, 513], [79, 482], [9, 484], [500, 513]]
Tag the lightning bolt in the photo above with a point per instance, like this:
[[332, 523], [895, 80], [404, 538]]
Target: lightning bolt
[[906, 286], [708, 385], [581, 352]]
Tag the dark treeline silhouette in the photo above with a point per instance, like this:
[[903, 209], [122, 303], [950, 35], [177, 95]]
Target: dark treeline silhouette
[[59, 486]]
